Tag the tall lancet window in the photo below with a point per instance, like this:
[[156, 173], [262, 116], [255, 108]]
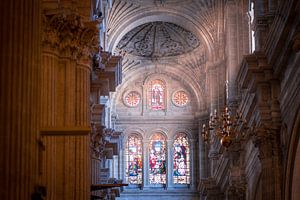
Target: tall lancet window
[[181, 160], [157, 159], [157, 95], [133, 156]]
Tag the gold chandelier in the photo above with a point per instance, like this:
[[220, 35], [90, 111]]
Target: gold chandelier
[[224, 126]]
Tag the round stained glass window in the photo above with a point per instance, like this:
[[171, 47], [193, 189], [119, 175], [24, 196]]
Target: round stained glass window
[[180, 98], [132, 99]]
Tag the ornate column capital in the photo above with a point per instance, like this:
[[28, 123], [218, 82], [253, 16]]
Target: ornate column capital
[[69, 36], [263, 138]]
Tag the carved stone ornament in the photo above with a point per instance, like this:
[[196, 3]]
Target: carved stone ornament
[[263, 139], [160, 2], [132, 99], [68, 35], [158, 39], [97, 142], [180, 98]]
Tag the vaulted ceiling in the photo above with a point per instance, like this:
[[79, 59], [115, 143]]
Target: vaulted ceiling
[[175, 37], [158, 39]]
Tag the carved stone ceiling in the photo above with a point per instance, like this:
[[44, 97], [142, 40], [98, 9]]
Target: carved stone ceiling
[[162, 2], [158, 39]]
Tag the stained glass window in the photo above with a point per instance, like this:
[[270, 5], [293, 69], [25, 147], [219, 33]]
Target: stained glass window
[[133, 154], [180, 98], [181, 160], [157, 95], [132, 99], [157, 159]]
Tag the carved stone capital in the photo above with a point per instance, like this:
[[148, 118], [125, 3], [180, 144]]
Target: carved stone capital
[[97, 141], [69, 36], [263, 139], [236, 192]]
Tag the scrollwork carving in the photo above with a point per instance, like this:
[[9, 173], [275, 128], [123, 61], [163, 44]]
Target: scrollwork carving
[[158, 39]]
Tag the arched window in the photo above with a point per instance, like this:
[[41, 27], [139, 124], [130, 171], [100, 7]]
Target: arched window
[[157, 95], [181, 160], [133, 156], [157, 159]]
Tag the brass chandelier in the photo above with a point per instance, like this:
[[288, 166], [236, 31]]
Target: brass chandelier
[[224, 126]]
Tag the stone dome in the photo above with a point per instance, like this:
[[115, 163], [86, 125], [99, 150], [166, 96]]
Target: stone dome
[[158, 39]]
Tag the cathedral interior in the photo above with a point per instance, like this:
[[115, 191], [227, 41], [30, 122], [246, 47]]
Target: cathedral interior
[[150, 99]]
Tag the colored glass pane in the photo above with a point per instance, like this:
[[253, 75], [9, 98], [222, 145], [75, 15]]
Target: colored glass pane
[[157, 95], [132, 99], [157, 159], [181, 160], [180, 98], [134, 165]]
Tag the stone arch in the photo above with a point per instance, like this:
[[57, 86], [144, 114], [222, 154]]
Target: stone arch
[[161, 130], [185, 131], [136, 131], [166, 15], [190, 83]]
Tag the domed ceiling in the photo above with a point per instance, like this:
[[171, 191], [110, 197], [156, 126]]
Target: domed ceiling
[[158, 39]]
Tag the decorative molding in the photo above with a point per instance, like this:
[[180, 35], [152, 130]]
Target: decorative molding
[[65, 131], [158, 39]]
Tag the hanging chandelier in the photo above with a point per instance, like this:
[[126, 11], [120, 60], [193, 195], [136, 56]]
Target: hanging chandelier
[[224, 126]]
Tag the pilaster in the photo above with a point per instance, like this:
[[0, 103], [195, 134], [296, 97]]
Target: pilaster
[[20, 24]]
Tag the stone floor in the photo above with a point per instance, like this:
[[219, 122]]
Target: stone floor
[[159, 194]]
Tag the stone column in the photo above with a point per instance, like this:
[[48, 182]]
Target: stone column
[[203, 162], [20, 22], [65, 127], [261, 24], [145, 163], [193, 153], [170, 163], [264, 140], [231, 46]]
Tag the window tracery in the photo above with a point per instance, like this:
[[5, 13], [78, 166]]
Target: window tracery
[[132, 99], [157, 159], [181, 160], [157, 95], [133, 156], [180, 98]]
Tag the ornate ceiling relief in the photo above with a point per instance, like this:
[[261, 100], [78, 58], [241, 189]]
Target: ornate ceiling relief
[[160, 2], [158, 39]]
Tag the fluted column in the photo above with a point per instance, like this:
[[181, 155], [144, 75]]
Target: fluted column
[[82, 117], [19, 97], [65, 132]]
